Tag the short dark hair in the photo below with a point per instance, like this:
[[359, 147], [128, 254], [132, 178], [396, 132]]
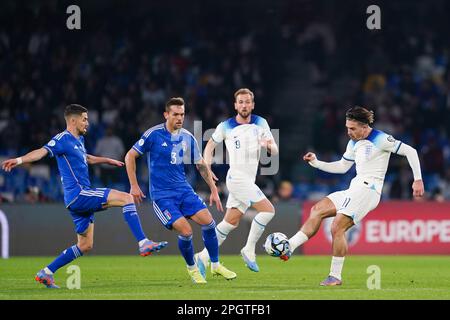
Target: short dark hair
[[360, 114], [74, 109], [176, 101]]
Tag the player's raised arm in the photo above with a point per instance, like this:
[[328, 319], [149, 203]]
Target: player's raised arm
[[98, 160], [341, 166], [266, 139], [32, 156], [208, 156], [130, 164], [413, 159]]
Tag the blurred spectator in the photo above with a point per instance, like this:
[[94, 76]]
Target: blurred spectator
[[285, 192], [110, 146], [34, 195]]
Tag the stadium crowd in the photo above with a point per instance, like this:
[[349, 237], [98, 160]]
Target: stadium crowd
[[124, 76]]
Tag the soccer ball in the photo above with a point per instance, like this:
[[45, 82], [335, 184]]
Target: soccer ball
[[277, 244]]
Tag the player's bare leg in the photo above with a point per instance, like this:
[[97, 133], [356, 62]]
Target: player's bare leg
[[126, 201], [86, 240], [209, 235], [338, 228], [84, 244], [323, 209], [266, 212]]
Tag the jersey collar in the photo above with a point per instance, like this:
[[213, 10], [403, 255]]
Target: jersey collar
[[234, 122]]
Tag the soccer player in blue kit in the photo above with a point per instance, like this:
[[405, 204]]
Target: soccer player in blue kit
[[79, 198], [169, 147]]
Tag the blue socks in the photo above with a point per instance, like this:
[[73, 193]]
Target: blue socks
[[187, 249], [210, 240], [65, 257], [132, 218]]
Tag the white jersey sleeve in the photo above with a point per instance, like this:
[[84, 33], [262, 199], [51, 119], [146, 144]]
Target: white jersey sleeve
[[388, 143], [219, 134], [265, 129], [349, 153]]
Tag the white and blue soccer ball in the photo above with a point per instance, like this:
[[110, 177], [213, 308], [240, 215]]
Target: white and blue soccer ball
[[277, 244]]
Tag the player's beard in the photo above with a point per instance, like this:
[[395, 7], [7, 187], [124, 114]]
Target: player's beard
[[178, 125], [83, 132], [244, 114]]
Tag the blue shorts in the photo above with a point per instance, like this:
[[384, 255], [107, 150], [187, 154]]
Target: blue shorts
[[168, 210], [84, 206]]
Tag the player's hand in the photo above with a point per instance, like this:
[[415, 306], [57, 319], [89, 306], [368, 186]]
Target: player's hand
[[137, 194], [310, 156], [9, 164], [115, 163], [214, 176], [214, 197], [265, 143], [418, 189]]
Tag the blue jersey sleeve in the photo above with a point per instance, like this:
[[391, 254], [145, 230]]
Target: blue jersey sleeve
[[144, 144], [56, 146]]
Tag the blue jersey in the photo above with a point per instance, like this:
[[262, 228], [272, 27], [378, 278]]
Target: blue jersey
[[71, 157], [167, 154]]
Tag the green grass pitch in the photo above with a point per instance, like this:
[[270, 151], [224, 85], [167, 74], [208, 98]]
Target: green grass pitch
[[165, 277]]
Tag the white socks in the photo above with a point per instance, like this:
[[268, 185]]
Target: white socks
[[336, 267], [258, 225], [214, 265], [47, 271], [142, 242], [193, 267], [222, 231], [297, 240]]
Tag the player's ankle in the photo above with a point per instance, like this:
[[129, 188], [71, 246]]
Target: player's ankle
[[142, 242]]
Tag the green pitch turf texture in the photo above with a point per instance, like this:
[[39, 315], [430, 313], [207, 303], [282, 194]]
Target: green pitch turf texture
[[164, 277]]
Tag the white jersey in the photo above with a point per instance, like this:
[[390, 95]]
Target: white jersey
[[243, 144], [371, 156]]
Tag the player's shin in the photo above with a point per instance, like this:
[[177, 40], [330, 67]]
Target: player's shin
[[187, 249], [337, 263], [297, 240], [210, 241], [64, 258], [134, 223], [256, 230], [222, 230]]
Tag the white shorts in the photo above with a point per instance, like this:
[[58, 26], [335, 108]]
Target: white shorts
[[355, 202], [243, 194]]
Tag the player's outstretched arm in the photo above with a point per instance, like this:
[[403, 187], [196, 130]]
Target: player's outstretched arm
[[32, 156], [206, 174], [98, 160], [208, 156], [341, 166], [130, 164], [413, 159]]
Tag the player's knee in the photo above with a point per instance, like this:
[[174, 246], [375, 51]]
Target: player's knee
[[233, 221], [271, 208], [185, 231], [317, 212], [85, 247], [336, 230], [127, 198]]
